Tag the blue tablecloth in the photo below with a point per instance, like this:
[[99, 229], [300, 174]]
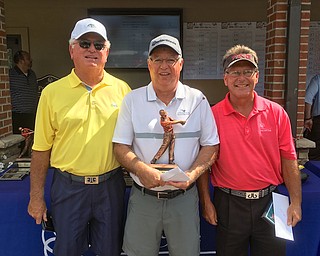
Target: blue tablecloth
[[313, 166], [307, 232], [19, 235]]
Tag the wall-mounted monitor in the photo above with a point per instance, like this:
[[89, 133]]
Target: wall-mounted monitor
[[131, 30]]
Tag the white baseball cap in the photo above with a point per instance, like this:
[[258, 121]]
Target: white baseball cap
[[167, 40], [88, 25]]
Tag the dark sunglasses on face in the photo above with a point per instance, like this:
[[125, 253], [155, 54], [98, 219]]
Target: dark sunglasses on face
[[85, 44]]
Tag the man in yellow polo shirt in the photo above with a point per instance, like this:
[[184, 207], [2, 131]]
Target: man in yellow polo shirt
[[74, 128]]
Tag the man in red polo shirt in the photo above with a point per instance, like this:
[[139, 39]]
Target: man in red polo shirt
[[257, 153]]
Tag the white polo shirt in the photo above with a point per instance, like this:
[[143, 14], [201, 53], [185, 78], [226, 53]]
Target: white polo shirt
[[139, 126]]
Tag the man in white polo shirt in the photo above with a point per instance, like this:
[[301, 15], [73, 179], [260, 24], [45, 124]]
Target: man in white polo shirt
[[156, 206]]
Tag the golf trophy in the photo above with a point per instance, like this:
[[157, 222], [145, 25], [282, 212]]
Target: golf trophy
[[167, 143]]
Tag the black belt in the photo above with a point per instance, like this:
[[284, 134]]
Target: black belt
[[249, 194], [92, 179], [166, 194]]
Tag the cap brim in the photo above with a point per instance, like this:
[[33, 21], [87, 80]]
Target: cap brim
[[90, 31], [235, 61]]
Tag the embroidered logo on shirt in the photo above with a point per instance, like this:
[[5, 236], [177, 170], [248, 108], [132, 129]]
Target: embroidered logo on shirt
[[263, 128], [182, 112], [113, 104]]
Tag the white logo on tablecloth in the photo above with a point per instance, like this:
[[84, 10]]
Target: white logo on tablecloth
[[48, 239]]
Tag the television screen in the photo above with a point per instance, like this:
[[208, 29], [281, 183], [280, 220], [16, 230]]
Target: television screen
[[131, 31]]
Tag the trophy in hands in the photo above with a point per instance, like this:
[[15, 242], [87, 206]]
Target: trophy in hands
[[167, 143]]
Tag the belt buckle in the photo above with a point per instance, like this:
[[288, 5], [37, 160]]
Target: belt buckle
[[252, 195], [162, 195], [91, 180]]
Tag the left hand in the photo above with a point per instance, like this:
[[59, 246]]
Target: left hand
[[181, 184], [294, 214]]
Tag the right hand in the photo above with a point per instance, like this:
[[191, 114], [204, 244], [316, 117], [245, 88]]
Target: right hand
[[37, 209], [209, 213], [308, 124], [150, 178]]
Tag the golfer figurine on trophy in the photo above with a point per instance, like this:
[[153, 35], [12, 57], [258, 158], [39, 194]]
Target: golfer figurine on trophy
[[167, 143]]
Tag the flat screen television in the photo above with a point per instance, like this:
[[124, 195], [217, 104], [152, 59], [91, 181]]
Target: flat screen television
[[131, 30]]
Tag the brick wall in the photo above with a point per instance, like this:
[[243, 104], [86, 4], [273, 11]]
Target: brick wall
[[304, 39], [5, 101], [276, 54], [275, 60]]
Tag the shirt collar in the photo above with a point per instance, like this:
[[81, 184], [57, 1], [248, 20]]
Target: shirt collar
[[258, 104], [151, 94], [75, 80], [19, 71]]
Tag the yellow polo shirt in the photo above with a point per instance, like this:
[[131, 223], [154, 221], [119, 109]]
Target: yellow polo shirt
[[78, 124]]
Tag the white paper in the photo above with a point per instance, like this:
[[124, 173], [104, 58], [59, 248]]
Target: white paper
[[280, 207], [175, 174]]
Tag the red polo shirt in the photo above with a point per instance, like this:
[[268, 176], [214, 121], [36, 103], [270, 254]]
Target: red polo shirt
[[251, 148]]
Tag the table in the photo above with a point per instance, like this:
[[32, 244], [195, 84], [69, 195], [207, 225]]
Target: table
[[307, 232], [19, 235], [313, 166]]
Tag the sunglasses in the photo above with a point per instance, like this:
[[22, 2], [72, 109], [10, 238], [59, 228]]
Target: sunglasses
[[85, 44]]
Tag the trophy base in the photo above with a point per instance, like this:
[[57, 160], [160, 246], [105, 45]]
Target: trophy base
[[163, 167]]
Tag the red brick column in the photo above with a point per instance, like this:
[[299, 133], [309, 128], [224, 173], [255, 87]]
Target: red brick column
[[5, 100], [304, 46], [276, 54]]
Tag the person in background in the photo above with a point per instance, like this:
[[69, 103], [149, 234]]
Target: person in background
[[24, 92], [257, 154], [155, 206], [312, 116], [74, 127]]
